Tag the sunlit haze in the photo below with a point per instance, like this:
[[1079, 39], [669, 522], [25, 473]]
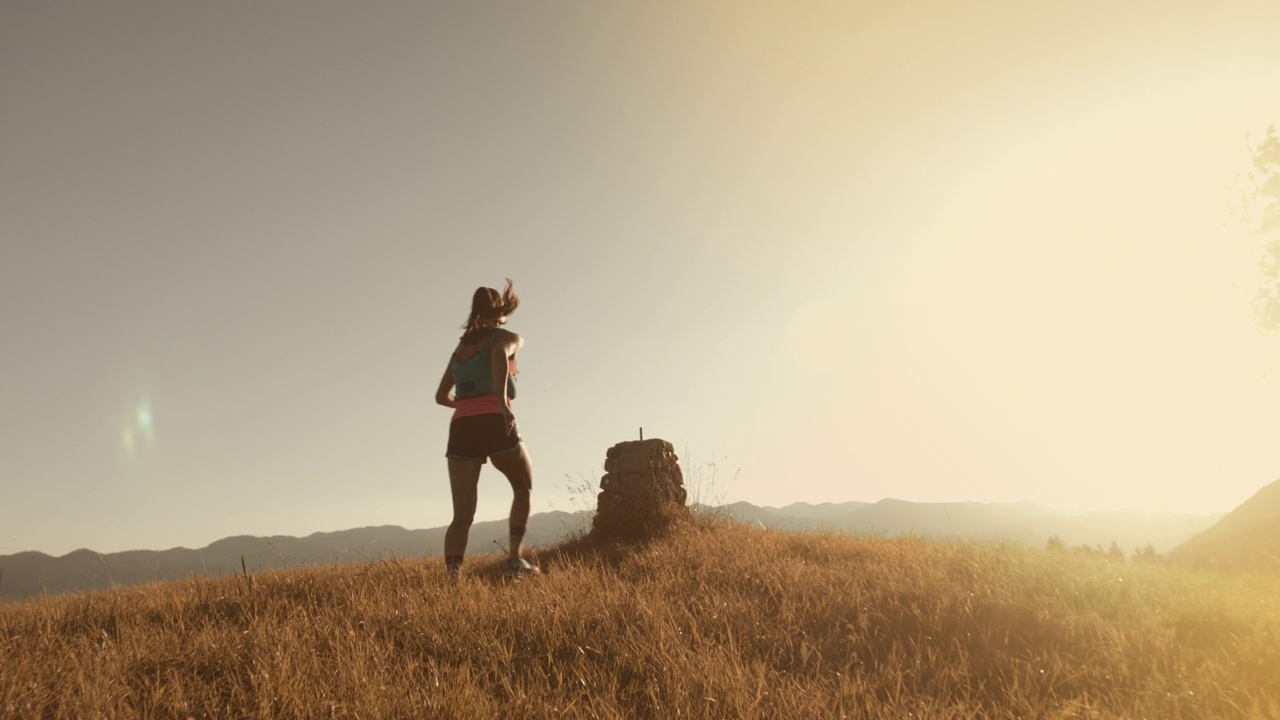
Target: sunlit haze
[[936, 251]]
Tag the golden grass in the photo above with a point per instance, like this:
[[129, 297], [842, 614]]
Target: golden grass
[[710, 621]]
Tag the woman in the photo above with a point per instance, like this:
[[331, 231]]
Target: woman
[[478, 384]]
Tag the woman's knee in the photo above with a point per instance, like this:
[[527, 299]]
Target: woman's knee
[[520, 479], [463, 519]]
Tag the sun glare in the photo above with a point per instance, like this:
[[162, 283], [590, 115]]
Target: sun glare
[[1079, 310]]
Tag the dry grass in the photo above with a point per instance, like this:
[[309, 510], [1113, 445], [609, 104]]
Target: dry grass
[[713, 620]]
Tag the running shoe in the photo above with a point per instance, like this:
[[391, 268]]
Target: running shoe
[[519, 567]]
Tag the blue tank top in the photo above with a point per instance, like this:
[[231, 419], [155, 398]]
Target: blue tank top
[[473, 377]]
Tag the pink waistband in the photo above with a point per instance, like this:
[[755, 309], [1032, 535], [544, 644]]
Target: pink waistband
[[482, 405]]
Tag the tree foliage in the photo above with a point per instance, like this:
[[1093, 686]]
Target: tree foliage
[[1262, 202]]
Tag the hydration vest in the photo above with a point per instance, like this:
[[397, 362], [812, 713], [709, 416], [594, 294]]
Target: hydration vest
[[473, 377]]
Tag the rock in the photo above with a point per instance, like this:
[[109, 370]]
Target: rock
[[642, 490]]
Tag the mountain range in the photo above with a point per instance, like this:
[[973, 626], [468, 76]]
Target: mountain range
[[1021, 522], [31, 574], [1248, 538]]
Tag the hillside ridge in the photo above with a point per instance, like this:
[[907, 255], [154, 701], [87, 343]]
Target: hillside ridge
[[1247, 537], [711, 619], [32, 573]]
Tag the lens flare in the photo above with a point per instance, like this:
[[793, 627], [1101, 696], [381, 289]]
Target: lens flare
[[138, 432], [145, 424]]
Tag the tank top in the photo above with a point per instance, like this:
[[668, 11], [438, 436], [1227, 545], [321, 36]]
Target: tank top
[[472, 371]]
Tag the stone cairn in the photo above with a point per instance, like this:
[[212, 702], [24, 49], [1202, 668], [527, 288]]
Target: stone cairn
[[642, 490]]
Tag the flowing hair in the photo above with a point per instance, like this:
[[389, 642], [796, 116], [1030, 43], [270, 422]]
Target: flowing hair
[[487, 306]]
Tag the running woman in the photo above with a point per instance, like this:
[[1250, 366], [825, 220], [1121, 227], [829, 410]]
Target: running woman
[[479, 384]]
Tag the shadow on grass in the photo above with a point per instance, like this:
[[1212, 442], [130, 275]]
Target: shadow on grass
[[603, 549]]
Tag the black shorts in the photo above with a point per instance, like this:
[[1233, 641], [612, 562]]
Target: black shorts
[[476, 437]]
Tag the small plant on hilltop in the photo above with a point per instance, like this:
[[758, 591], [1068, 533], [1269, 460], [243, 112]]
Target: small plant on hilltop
[[707, 487], [581, 491]]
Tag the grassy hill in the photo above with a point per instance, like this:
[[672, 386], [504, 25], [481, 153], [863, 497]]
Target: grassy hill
[[34, 574], [712, 620], [1246, 538]]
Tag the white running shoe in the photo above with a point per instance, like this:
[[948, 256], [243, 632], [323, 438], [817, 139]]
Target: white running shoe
[[519, 567]]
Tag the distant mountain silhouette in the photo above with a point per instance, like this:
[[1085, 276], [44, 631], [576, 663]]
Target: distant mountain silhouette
[[30, 574], [1021, 522], [1246, 538]]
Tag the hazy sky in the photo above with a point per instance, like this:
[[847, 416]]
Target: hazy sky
[[846, 251]]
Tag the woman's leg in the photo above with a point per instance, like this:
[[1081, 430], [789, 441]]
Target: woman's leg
[[464, 476], [519, 471]]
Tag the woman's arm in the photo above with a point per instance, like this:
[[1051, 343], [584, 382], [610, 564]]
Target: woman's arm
[[504, 346], [444, 393]]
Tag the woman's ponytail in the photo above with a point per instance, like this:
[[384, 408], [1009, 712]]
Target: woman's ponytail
[[487, 307]]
